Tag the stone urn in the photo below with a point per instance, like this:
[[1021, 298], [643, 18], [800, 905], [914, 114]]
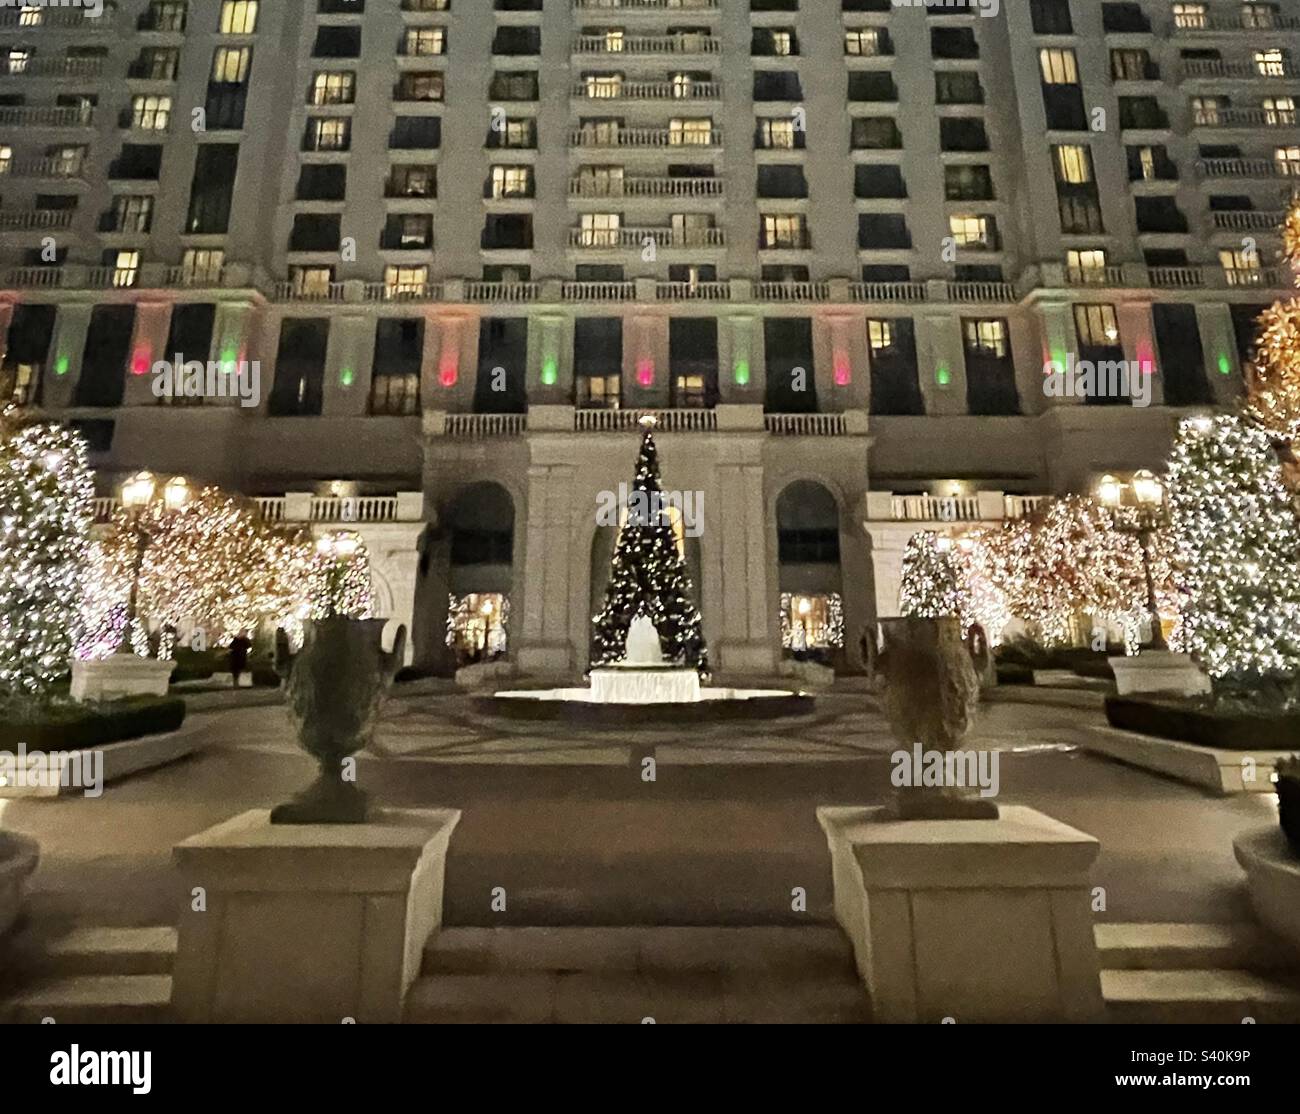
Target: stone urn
[[336, 686], [19, 855], [931, 695]]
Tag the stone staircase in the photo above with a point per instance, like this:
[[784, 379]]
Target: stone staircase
[[626, 975], [93, 976], [1151, 974], [1196, 974]]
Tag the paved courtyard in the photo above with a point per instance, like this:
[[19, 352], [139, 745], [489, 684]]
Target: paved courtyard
[[564, 822]]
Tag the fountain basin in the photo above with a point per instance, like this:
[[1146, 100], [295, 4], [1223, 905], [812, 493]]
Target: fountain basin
[[641, 684], [581, 705]]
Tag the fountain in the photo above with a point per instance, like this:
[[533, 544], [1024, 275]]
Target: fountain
[[630, 679], [660, 691]]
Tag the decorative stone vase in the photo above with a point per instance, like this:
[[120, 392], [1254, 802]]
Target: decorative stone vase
[[19, 855], [930, 697], [336, 685]]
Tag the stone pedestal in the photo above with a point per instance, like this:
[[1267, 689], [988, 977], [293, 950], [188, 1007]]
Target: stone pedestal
[[308, 923], [1158, 671], [120, 675], [976, 920], [1273, 880]]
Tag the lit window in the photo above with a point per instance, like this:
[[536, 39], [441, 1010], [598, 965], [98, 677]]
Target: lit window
[[986, 337], [1096, 325], [1058, 66], [151, 113], [126, 267], [1073, 164], [1271, 63], [863, 41], [230, 64], [239, 17]]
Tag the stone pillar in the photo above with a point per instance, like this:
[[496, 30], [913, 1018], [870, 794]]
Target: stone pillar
[[240, 334], [1059, 341], [1223, 369], [349, 363], [1137, 334], [888, 540], [148, 344], [646, 374], [66, 351], [741, 368], [843, 378], [450, 367], [550, 359], [941, 364], [395, 562], [741, 569], [544, 647]]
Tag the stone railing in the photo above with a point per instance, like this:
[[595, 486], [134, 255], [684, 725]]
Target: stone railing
[[405, 506], [980, 506], [603, 89], [667, 421], [647, 44]]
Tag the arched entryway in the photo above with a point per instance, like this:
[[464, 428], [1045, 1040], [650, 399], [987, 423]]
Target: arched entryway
[[810, 578], [478, 540]]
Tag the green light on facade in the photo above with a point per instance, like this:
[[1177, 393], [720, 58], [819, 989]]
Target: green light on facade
[[1225, 365], [741, 373], [550, 372], [943, 375], [347, 377], [229, 360], [61, 365]]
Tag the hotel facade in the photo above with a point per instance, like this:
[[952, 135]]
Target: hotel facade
[[831, 244]]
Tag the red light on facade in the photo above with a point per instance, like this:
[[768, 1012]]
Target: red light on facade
[[645, 373]]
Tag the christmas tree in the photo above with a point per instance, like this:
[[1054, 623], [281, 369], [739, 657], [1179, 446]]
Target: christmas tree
[[648, 577], [46, 491], [1273, 391], [1237, 541], [933, 584]]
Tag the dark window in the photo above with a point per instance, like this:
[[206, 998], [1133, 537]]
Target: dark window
[[895, 382], [693, 360], [1182, 359], [190, 335], [103, 362], [399, 355], [300, 368], [502, 366], [212, 188], [322, 182], [31, 332], [791, 385]]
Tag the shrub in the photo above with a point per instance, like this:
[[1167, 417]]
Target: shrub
[[77, 726]]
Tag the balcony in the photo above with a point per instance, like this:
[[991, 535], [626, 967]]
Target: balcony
[[983, 506], [646, 187], [599, 292], [297, 292], [673, 6], [1216, 69], [1248, 220], [48, 169], [55, 19], [1245, 168], [48, 116], [52, 67], [1261, 20], [408, 506], [627, 421], [647, 91], [674, 45], [673, 138], [502, 293], [692, 291], [31, 220], [887, 291], [633, 239], [1245, 118]]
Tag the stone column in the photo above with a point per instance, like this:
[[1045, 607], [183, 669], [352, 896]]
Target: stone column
[[1219, 343], [646, 374], [1137, 334], [740, 359], [349, 363], [740, 565], [941, 364], [544, 647], [148, 344]]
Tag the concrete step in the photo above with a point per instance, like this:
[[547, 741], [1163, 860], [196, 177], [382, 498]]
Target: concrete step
[[626, 974], [111, 951], [1170, 947], [1199, 996], [698, 997], [768, 949], [92, 1000]]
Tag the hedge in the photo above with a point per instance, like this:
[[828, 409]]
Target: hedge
[[1192, 721], [72, 726]]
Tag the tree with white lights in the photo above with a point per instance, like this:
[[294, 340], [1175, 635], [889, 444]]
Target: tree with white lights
[[46, 493]]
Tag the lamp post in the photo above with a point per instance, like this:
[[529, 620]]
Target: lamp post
[[1147, 515], [138, 494]]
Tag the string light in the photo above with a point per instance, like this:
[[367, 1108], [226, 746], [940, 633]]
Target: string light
[[46, 493]]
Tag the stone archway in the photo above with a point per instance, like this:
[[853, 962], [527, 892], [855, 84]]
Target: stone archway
[[810, 573]]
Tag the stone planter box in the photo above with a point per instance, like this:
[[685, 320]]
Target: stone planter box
[[308, 923], [1158, 671], [18, 858], [974, 920], [1183, 721], [1273, 880]]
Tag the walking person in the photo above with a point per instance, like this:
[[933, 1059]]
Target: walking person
[[239, 647]]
